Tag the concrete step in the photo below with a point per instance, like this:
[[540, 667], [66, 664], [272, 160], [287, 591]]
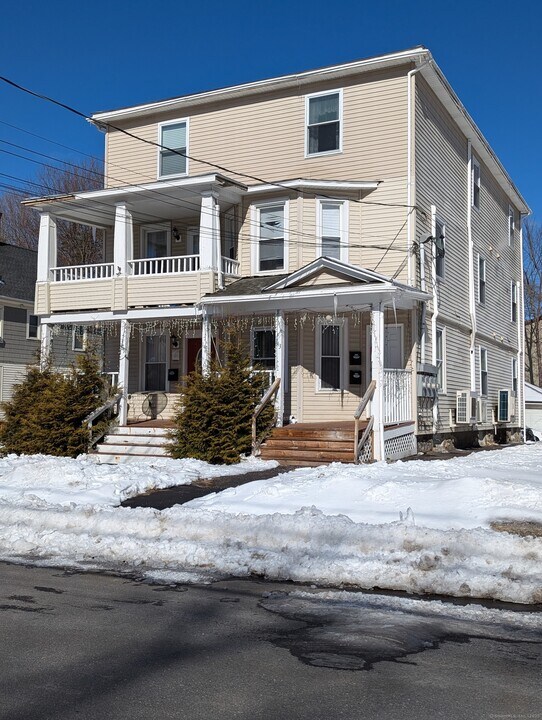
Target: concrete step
[[138, 430], [117, 458], [150, 440], [111, 448]]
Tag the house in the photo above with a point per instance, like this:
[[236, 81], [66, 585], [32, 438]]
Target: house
[[351, 222], [533, 408]]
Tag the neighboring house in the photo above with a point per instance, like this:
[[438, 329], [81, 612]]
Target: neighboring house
[[533, 408], [19, 329], [351, 222]]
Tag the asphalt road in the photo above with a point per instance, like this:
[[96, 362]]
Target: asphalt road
[[85, 646]]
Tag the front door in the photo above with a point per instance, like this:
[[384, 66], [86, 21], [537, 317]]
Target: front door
[[393, 347], [193, 354], [155, 362]]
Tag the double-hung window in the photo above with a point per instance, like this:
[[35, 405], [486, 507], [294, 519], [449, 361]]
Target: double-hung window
[[513, 302], [511, 225], [475, 183], [324, 132], [481, 279], [515, 375], [440, 358], [483, 372], [173, 139], [79, 338], [330, 340], [271, 242], [263, 348], [331, 224], [32, 327], [440, 238]]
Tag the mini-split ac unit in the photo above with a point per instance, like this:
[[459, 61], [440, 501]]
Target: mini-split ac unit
[[465, 407], [506, 408]]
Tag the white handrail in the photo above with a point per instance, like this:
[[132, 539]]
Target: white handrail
[[230, 266], [164, 265], [72, 273]]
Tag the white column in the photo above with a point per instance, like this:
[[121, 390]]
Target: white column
[[47, 247], [377, 365], [124, 368], [123, 239], [45, 346], [209, 232], [280, 364], [206, 343]]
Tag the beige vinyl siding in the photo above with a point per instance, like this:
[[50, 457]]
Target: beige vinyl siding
[[265, 135], [156, 290], [81, 295]]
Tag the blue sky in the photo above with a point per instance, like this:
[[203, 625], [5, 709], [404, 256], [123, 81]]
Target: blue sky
[[102, 55]]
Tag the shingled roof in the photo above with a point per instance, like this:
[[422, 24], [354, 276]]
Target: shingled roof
[[18, 267]]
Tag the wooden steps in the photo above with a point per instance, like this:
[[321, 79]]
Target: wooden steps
[[311, 444]]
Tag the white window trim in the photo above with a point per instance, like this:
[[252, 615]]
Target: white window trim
[[321, 94], [511, 225], [442, 390], [155, 227], [343, 357], [482, 350], [1, 322], [255, 224], [190, 232], [480, 301], [476, 163], [514, 373], [85, 339], [343, 229], [143, 363], [439, 219], [38, 327], [513, 295], [160, 126]]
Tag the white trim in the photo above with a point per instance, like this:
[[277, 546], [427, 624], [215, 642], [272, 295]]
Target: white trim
[[308, 98], [343, 354], [134, 315], [153, 227], [343, 207], [303, 184], [476, 164], [515, 375], [190, 233], [28, 336], [143, 362], [511, 225], [482, 263], [255, 239], [443, 390], [161, 125], [482, 349], [514, 297], [84, 338], [2, 322], [321, 263], [260, 328]]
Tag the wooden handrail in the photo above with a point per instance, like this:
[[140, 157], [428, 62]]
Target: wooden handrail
[[89, 420], [358, 445], [272, 389]]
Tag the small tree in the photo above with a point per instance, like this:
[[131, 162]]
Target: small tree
[[47, 409], [213, 421]]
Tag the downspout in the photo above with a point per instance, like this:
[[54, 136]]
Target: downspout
[[434, 318], [472, 299], [521, 334]]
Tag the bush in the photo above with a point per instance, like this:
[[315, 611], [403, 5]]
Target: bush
[[213, 420], [47, 409]]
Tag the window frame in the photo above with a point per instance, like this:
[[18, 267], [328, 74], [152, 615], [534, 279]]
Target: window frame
[[153, 228], [253, 360], [38, 326], [483, 372], [439, 221], [343, 226], [515, 383], [442, 386], [476, 164], [84, 338], [482, 279], [256, 209], [343, 347], [161, 125], [513, 301], [511, 225], [339, 150]]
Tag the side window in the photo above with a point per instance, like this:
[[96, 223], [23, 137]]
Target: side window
[[481, 280], [324, 131], [172, 158], [475, 183], [511, 225], [515, 375], [79, 338], [440, 358], [513, 302], [483, 372], [271, 252], [32, 327], [440, 239], [331, 228]]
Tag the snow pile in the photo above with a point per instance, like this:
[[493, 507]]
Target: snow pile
[[338, 525]]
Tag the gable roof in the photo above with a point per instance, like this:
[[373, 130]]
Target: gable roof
[[533, 393], [18, 269], [350, 273]]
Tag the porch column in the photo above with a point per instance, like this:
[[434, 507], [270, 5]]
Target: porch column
[[47, 247], [123, 239], [45, 345], [280, 364], [209, 232], [377, 365], [206, 342], [124, 367]]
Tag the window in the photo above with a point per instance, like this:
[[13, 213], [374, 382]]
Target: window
[[79, 339], [331, 224], [475, 183], [481, 279], [513, 302], [440, 358], [515, 375], [330, 353], [440, 238], [271, 241], [173, 161], [32, 327], [511, 225], [483, 371], [324, 122], [263, 348]]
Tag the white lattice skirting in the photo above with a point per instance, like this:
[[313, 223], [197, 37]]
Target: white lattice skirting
[[400, 442]]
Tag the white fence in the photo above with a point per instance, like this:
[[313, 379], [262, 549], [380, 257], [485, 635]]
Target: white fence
[[229, 266], [164, 265], [72, 273], [397, 396]]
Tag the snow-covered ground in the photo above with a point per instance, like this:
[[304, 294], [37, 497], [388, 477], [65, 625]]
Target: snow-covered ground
[[418, 526]]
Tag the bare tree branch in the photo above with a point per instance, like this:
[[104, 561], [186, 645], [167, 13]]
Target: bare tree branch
[[532, 249]]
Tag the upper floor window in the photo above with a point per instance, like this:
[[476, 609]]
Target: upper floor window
[[331, 229], [271, 251], [440, 238], [475, 182], [32, 327], [511, 224], [481, 279], [513, 302], [324, 112], [173, 139]]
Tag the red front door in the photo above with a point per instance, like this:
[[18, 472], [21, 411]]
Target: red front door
[[193, 354]]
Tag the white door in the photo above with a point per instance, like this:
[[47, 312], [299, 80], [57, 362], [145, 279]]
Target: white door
[[393, 347]]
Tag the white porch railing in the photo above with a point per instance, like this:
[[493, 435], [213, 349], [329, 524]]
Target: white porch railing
[[72, 273], [397, 396], [164, 265], [229, 266]]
